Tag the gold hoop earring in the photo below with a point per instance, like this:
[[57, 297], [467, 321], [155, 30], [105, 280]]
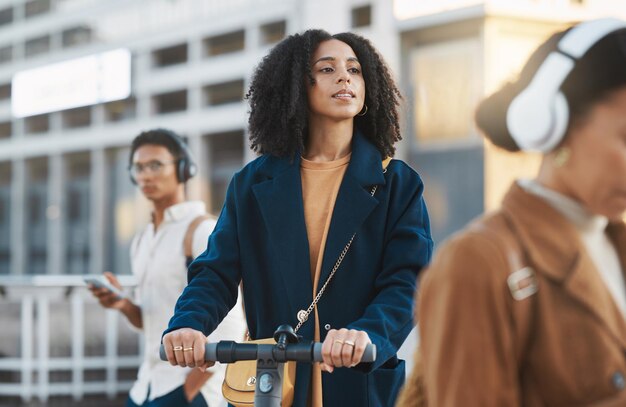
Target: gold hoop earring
[[561, 157], [363, 114]]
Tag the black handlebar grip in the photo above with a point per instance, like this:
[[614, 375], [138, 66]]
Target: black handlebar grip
[[368, 356], [210, 352]]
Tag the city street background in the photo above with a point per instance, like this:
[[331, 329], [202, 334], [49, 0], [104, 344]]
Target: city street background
[[79, 79]]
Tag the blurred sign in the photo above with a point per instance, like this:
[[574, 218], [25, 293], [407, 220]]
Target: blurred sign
[[404, 9], [78, 82]]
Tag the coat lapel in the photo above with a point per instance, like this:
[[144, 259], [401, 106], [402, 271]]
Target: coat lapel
[[280, 202], [617, 233], [354, 201], [585, 285], [555, 249]]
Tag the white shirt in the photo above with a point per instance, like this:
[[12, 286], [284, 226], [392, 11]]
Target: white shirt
[[592, 230], [158, 262]]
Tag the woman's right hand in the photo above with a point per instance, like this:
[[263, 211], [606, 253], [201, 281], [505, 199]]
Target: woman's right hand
[[185, 347]]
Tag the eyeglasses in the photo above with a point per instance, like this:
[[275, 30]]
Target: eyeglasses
[[154, 167]]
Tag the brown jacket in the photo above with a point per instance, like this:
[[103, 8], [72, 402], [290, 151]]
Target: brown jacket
[[565, 345]]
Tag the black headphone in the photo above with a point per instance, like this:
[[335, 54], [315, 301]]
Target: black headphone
[[537, 118], [186, 168]]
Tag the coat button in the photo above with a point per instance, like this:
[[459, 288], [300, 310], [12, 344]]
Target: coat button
[[618, 380], [327, 327]]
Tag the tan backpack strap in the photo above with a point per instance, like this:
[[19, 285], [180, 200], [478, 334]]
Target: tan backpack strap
[[191, 229], [523, 286], [386, 162]]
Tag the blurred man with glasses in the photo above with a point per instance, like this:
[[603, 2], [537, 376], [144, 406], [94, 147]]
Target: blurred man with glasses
[[160, 164]]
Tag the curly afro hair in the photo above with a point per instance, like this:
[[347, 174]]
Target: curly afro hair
[[278, 96]]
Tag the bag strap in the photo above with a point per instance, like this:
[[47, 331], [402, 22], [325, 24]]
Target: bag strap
[[188, 239], [188, 249], [386, 162], [303, 315], [523, 286]]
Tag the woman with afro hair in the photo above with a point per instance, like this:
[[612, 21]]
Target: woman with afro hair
[[324, 120]]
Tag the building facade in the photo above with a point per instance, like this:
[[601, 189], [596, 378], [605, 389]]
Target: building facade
[[453, 53], [66, 206], [66, 203]]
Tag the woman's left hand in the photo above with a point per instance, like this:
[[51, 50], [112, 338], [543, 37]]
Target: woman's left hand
[[343, 348]]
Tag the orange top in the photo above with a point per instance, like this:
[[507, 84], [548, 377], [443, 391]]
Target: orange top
[[320, 186]]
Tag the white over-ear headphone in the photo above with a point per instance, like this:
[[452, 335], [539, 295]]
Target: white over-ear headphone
[[538, 116]]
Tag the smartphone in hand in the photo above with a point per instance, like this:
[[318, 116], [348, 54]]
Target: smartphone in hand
[[100, 282]]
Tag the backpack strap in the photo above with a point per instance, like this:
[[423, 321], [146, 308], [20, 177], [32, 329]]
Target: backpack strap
[[386, 162], [188, 239], [188, 250], [522, 282]]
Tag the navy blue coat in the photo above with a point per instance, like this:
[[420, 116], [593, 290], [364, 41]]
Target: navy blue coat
[[261, 238]]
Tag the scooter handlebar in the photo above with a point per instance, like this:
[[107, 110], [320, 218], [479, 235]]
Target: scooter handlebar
[[230, 352]]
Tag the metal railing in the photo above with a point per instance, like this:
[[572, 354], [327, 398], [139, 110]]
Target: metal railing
[[48, 327], [47, 331]]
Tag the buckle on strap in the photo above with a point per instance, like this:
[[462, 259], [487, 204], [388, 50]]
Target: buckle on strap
[[522, 283]]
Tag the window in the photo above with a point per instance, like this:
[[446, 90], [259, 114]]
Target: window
[[5, 91], [173, 55], [120, 110], [362, 16], [74, 118], [5, 173], [35, 212], [170, 102], [273, 32], [36, 7], [36, 220], [119, 211], [37, 250], [446, 87], [6, 16], [5, 129], [76, 36], [3, 209], [77, 166], [37, 46], [225, 158], [223, 93], [225, 43], [5, 217], [6, 54], [37, 124], [38, 170], [76, 210]]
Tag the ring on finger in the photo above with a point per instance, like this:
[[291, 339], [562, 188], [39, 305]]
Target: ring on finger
[[350, 343], [187, 349], [175, 348]]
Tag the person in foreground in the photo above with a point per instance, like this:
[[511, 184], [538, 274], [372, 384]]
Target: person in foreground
[[160, 164], [527, 305], [323, 117]]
